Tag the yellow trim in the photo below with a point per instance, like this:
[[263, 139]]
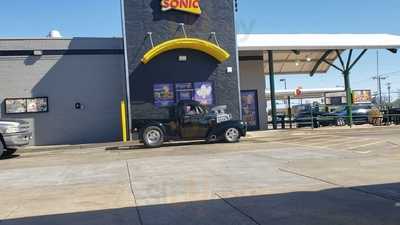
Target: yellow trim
[[187, 43], [123, 122]]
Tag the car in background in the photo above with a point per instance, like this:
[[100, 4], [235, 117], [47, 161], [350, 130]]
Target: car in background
[[304, 114], [340, 118], [13, 134], [303, 119]]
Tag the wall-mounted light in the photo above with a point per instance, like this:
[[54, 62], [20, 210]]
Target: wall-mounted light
[[229, 69], [182, 58], [37, 53], [79, 106]]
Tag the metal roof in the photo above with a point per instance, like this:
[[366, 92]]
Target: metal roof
[[15, 44], [289, 62], [259, 42], [299, 53]]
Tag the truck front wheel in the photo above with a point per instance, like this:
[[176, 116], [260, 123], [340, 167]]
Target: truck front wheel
[[3, 149], [153, 137], [232, 135]]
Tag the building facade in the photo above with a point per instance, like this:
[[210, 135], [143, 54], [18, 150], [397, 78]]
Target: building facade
[[81, 78], [70, 90], [149, 24]]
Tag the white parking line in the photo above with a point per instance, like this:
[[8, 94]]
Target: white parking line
[[365, 145], [363, 152]]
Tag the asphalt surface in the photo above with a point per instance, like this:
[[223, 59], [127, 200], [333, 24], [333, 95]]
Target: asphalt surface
[[300, 177]]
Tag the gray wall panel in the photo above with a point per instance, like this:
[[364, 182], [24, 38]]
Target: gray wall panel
[[253, 78], [94, 81]]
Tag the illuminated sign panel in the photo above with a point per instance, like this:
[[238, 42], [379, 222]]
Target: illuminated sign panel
[[189, 6], [362, 96]]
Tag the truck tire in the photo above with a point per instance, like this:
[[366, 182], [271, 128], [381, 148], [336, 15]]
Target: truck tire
[[9, 152], [153, 137], [2, 147], [340, 122], [232, 135]]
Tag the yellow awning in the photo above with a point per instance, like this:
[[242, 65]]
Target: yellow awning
[[187, 43]]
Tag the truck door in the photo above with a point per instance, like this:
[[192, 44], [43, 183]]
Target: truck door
[[194, 123]]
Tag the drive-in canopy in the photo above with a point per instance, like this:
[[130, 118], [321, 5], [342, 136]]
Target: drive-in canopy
[[257, 42], [310, 54], [299, 53]]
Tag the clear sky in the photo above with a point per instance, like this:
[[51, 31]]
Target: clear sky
[[33, 18]]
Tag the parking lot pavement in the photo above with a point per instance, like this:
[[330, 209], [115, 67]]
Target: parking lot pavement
[[326, 176]]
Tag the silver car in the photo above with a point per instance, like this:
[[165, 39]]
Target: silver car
[[13, 134]]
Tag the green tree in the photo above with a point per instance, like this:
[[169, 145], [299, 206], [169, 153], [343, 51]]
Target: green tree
[[396, 104]]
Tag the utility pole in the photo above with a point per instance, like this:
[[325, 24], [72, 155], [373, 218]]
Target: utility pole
[[378, 78]]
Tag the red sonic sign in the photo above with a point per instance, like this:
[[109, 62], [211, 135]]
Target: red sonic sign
[[189, 6]]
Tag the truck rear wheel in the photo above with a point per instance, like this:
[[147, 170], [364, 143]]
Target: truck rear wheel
[[153, 137], [232, 135]]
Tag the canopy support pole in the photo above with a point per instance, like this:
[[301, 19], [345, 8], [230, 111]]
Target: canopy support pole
[[346, 68], [272, 88], [346, 75], [349, 99]]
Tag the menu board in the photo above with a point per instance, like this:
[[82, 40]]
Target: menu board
[[168, 94], [362, 96], [26, 105], [184, 91], [164, 95], [203, 93], [15, 106], [34, 105], [250, 109]]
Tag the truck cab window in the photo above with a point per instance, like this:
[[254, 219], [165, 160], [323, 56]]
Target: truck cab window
[[192, 110]]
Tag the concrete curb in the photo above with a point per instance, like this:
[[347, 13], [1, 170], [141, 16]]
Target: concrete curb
[[103, 146]]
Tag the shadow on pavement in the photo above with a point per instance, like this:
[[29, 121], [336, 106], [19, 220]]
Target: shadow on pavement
[[9, 157], [142, 147], [366, 205]]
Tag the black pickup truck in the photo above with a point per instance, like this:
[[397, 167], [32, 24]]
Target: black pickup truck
[[189, 120]]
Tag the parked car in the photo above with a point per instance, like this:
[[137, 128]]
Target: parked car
[[13, 134], [303, 119], [189, 120], [306, 114], [339, 117]]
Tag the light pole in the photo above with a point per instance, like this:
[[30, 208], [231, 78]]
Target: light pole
[[284, 80], [289, 104], [378, 78], [389, 87]]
